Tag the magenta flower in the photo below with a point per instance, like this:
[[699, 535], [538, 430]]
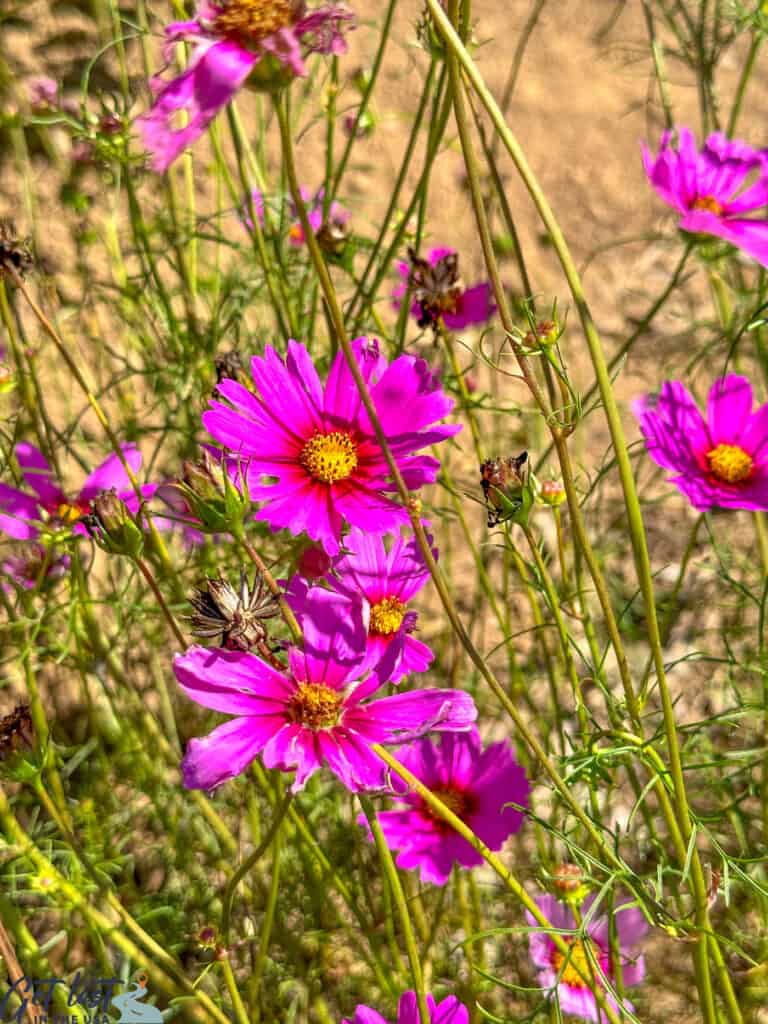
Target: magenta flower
[[338, 218], [477, 785], [319, 443], [437, 292], [316, 712], [230, 39], [721, 462], [21, 513], [449, 1011], [713, 188], [588, 952], [386, 581]]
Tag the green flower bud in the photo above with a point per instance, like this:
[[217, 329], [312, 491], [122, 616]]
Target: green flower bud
[[112, 526]]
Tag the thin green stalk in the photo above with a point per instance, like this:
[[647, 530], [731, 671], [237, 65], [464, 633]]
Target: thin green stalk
[[396, 888]]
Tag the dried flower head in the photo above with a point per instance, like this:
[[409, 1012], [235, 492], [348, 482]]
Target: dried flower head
[[545, 334], [15, 252], [235, 616], [436, 287], [229, 366], [16, 732], [504, 482]]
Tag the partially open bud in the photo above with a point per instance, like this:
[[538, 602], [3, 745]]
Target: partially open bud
[[546, 333], [233, 617], [552, 493], [211, 496], [112, 526]]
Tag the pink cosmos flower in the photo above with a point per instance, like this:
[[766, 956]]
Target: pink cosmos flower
[[319, 444], [437, 291], [386, 581], [338, 216], [22, 513], [477, 785], [722, 461], [449, 1011], [230, 39], [588, 951], [713, 188], [316, 712], [29, 564]]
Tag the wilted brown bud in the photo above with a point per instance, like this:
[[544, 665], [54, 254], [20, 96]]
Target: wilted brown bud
[[567, 879], [16, 732], [229, 365], [15, 252], [547, 332]]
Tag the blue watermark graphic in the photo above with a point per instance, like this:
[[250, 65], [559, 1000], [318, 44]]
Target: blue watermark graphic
[[93, 995]]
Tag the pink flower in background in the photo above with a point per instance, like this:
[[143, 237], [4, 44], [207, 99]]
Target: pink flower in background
[[437, 291], [43, 93], [475, 784], [718, 462], [29, 563], [713, 188], [338, 218], [449, 1011], [319, 444], [589, 952], [317, 712], [21, 513], [386, 581], [230, 39]]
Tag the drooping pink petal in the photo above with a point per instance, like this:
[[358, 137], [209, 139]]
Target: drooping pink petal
[[226, 752], [235, 682], [215, 73], [18, 513]]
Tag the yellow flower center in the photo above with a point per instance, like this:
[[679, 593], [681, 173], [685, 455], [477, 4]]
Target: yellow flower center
[[253, 20], [386, 616], [707, 203], [730, 463], [329, 457], [69, 513], [315, 705], [578, 960]]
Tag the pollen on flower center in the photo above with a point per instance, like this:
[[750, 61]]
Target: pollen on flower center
[[69, 513], [329, 457], [730, 463], [315, 705], [578, 960], [708, 203], [386, 616], [250, 21]]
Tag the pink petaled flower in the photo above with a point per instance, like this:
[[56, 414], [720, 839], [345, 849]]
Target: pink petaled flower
[[43, 93], [319, 443], [477, 785], [386, 581], [230, 39], [722, 461], [438, 292], [22, 513], [449, 1011], [589, 953], [29, 564], [714, 187], [315, 712]]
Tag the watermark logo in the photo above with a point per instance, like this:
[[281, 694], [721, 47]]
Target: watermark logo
[[93, 995]]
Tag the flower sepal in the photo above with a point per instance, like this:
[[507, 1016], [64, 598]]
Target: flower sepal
[[212, 497]]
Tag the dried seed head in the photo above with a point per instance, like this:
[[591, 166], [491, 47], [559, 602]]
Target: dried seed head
[[437, 289], [15, 252], [229, 365], [236, 617]]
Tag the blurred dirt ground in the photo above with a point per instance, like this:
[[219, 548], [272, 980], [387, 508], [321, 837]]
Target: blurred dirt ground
[[584, 100]]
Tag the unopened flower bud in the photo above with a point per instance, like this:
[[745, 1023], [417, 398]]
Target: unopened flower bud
[[314, 563], [112, 526], [552, 493], [21, 758], [569, 882], [416, 505]]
